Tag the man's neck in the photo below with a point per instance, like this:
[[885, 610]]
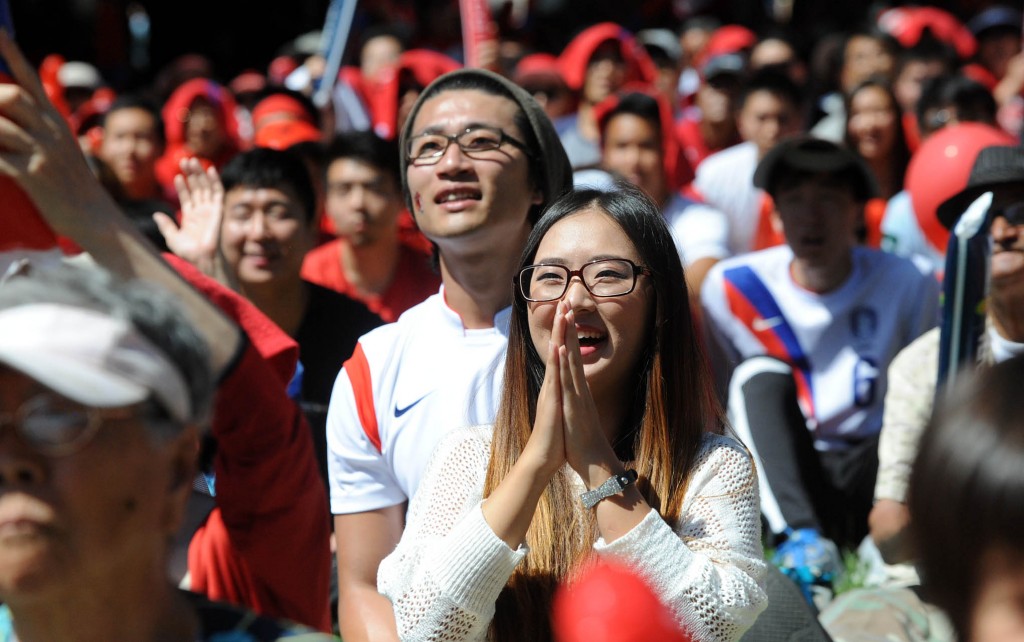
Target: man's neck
[[479, 285], [284, 304], [370, 269], [586, 123], [717, 135], [143, 190], [821, 278], [880, 168]]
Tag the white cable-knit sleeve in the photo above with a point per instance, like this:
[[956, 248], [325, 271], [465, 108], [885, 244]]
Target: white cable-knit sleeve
[[447, 571], [710, 568]]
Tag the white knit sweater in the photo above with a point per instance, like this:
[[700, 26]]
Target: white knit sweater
[[445, 575]]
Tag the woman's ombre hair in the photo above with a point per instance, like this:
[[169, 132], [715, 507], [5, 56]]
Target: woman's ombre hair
[[671, 399]]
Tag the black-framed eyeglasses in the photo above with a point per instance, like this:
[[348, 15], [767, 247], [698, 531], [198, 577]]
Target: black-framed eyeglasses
[[56, 427], [427, 149], [602, 278]]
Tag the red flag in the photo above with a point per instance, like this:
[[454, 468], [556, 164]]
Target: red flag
[[477, 28]]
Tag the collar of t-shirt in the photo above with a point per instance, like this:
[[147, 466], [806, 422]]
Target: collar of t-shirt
[[1003, 348]]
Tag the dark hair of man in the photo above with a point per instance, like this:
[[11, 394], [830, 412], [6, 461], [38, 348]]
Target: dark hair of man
[[973, 102], [672, 404], [637, 104], [703, 23], [785, 34], [889, 44], [272, 169], [849, 179], [393, 30], [368, 148], [928, 49], [134, 101], [966, 485], [775, 83]]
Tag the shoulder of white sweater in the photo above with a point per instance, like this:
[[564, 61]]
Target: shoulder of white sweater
[[723, 461]]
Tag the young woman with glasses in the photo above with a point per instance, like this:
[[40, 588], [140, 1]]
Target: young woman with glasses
[[606, 445]]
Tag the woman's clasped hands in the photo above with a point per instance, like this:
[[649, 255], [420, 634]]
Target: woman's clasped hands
[[568, 427]]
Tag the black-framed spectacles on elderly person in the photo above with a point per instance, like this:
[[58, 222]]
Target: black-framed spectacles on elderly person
[[475, 142], [56, 427], [601, 277]]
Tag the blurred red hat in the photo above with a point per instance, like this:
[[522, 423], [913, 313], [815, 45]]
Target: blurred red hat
[[282, 134], [939, 169], [907, 25], [728, 39], [248, 82], [575, 57], [610, 602], [279, 107]]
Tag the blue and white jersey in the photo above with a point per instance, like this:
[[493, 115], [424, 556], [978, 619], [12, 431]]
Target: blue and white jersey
[[839, 344]]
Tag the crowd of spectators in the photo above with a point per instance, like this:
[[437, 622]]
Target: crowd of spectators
[[369, 265]]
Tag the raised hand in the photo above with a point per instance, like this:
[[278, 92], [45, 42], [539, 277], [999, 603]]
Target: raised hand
[[587, 448], [547, 445], [202, 208], [39, 152], [510, 508]]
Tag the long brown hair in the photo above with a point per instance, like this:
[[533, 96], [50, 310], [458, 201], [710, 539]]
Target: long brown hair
[[672, 405]]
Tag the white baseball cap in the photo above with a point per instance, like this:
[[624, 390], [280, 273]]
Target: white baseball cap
[[91, 358]]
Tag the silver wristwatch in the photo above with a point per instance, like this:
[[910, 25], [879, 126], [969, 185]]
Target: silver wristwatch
[[613, 486]]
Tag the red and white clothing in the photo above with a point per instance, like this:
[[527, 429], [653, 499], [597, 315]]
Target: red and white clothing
[[839, 344], [699, 230], [414, 280], [725, 180], [407, 384]]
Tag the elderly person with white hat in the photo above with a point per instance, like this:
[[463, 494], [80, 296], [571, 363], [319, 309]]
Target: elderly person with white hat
[[103, 385]]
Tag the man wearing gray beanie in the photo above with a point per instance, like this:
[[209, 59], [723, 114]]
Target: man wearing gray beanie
[[480, 161]]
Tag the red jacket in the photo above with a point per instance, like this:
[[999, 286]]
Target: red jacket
[[266, 544]]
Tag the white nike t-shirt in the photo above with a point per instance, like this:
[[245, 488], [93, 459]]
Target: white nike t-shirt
[[406, 386]]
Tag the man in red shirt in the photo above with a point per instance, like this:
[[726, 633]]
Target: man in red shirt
[[369, 261]]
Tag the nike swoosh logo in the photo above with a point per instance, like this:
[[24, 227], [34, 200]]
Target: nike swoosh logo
[[760, 325], [401, 411]]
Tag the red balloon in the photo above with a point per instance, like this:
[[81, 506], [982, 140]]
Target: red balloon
[[939, 169], [610, 602]]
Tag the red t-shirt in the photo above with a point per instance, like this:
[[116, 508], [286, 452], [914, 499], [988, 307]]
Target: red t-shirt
[[414, 279]]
